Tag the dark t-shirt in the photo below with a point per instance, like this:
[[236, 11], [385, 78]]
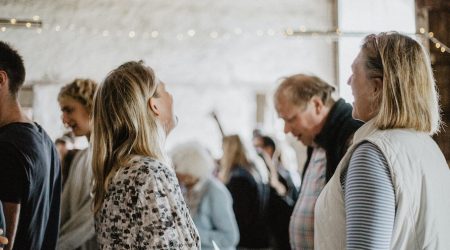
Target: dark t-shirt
[[30, 174]]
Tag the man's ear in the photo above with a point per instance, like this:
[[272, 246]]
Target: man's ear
[[318, 104], [3, 79], [153, 104]]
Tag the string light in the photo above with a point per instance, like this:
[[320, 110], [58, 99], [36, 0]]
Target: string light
[[438, 44], [331, 35], [19, 23]]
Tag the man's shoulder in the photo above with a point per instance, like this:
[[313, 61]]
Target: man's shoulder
[[24, 139]]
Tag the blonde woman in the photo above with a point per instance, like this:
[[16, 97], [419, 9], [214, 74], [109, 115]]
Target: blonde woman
[[210, 203], [137, 200], [387, 191], [250, 194], [77, 222]]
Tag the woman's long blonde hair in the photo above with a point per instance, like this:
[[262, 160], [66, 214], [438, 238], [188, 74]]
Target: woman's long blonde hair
[[123, 124]]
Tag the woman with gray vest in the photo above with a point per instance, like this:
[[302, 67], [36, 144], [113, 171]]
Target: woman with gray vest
[[386, 191]]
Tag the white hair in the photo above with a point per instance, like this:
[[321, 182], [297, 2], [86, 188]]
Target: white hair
[[193, 159]]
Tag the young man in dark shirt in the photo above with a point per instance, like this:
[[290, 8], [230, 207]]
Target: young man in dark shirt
[[30, 174]]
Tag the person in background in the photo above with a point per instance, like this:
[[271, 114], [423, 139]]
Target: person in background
[[209, 201], [138, 203], [324, 125], [269, 152], [77, 220], [387, 191], [249, 192], [66, 155], [30, 179], [281, 203]]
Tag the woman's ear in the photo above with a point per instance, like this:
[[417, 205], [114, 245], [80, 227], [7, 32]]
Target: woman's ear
[[378, 84], [153, 104]]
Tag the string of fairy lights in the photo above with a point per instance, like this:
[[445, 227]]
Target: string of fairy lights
[[36, 24]]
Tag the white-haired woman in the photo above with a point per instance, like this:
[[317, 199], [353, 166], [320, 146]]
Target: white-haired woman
[[209, 202], [137, 200], [387, 190]]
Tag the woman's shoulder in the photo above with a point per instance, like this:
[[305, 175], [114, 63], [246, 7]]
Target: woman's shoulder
[[146, 169]]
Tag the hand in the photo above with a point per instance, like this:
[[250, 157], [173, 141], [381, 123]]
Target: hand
[[3, 240]]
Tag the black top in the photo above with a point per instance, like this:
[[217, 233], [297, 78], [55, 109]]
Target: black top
[[30, 174], [250, 204], [335, 136]]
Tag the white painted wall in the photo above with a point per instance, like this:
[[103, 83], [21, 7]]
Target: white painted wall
[[369, 16], [250, 52]]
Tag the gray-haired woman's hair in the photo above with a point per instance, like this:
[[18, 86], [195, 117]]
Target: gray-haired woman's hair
[[409, 97], [193, 159]]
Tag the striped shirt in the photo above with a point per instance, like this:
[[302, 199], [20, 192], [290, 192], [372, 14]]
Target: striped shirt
[[301, 227], [369, 199]]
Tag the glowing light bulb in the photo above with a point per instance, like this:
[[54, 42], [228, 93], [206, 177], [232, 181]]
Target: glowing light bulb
[[289, 32], [191, 32], [214, 35]]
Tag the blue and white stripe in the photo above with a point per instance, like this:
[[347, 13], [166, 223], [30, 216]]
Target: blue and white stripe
[[369, 199]]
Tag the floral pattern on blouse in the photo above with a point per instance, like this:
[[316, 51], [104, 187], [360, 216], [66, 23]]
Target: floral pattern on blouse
[[144, 209]]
